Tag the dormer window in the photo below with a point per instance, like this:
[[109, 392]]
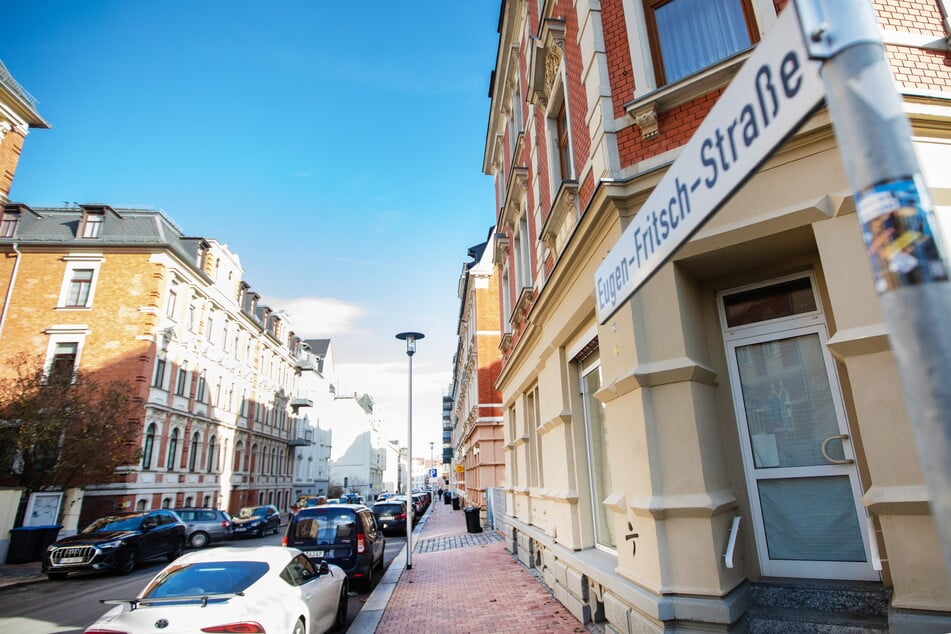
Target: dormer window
[[8, 225], [92, 223]]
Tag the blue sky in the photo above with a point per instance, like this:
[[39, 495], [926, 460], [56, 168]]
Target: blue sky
[[336, 147]]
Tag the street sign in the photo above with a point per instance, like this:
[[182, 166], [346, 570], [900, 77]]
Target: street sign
[[460, 468], [771, 95], [432, 473]]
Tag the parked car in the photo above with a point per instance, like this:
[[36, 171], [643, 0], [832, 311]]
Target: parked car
[[256, 521], [205, 526], [390, 516], [342, 534], [230, 589], [117, 542]]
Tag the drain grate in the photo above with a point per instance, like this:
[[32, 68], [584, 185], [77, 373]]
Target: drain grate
[[456, 541]]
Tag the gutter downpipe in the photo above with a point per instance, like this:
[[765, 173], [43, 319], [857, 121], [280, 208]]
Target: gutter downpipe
[[13, 277]]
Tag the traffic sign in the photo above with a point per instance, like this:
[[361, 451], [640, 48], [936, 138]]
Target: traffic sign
[[771, 95], [460, 468], [432, 473]]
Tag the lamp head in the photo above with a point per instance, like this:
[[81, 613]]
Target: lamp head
[[410, 338]]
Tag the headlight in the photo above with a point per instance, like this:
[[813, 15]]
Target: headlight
[[109, 545]]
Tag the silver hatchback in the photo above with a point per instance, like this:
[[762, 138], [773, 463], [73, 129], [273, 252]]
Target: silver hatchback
[[205, 526]]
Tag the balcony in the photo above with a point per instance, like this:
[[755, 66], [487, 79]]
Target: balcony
[[302, 436], [297, 403]]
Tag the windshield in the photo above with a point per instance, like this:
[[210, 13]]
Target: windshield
[[115, 523], [227, 577], [248, 511]]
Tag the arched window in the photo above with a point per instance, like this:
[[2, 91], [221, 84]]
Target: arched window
[[238, 450], [166, 503], [140, 505], [149, 445], [193, 452], [211, 466], [172, 449], [254, 459], [273, 460], [188, 500]]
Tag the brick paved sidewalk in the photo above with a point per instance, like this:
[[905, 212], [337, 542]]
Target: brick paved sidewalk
[[462, 582]]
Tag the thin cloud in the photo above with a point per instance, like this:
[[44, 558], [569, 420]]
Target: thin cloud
[[319, 316]]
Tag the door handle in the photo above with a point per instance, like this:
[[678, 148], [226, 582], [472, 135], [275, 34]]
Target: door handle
[[825, 454]]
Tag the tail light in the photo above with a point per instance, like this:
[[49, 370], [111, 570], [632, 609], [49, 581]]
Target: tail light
[[102, 631], [242, 627], [361, 544], [401, 516], [284, 540], [224, 524]]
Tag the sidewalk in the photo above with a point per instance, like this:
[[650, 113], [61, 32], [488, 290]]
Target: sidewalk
[[460, 582]]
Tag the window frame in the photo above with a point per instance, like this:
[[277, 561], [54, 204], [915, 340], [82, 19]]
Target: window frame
[[92, 224], [74, 264], [9, 224]]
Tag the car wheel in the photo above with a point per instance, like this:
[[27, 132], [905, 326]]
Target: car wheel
[[198, 540], [299, 627], [262, 531], [367, 584], [128, 558], [179, 549], [340, 620], [56, 576]]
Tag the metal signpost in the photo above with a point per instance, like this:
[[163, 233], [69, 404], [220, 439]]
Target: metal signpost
[[777, 88]]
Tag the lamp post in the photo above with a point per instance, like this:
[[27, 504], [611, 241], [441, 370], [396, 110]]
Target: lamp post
[[410, 338], [432, 465]]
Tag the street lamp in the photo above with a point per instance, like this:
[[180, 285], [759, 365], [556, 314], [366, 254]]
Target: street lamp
[[410, 338]]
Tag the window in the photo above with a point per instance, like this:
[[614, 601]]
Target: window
[[92, 224], [182, 383], [200, 391], [159, 379], [80, 286], [523, 255], [172, 450], [211, 462], [149, 446], [63, 363], [8, 225], [192, 317], [172, 301], [561, 139], [210, 328], [689, 35], [193, 454], [596, 435]]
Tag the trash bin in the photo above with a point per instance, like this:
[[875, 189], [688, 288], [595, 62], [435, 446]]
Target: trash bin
[[455, 503], [473, 525], [29, 543], [447, 497]]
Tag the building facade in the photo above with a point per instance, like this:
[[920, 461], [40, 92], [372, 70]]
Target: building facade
[[476, 406], [737, 428], [358, 457], [317, 388], [18, 114], [125, 294]]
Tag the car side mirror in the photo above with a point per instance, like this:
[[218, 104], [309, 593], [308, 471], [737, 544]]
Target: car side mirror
[[323, 568], [148, 525]]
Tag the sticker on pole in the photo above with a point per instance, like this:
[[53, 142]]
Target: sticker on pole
[[897, 229]]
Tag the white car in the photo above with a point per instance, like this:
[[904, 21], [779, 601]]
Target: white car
[[269, 589]]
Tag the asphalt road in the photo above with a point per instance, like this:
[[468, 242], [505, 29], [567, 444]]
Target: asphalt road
[[70, 606]]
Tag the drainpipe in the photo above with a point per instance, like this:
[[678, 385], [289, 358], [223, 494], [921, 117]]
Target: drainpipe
[[13, 277]]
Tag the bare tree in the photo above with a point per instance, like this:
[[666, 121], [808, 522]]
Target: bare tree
[[60, 428]]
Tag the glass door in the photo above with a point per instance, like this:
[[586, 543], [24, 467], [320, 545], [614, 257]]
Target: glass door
[[804, 488]]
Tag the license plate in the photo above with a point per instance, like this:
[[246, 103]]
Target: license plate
[[314, 553], [71, 560]]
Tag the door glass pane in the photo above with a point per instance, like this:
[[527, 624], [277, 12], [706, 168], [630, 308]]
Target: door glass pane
[[794, 297], [811, 519], [788, 402], [598, 457]]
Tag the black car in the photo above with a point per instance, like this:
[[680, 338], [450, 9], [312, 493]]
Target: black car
[[256, 521], [391, 516], [343, 534], [117, 542]]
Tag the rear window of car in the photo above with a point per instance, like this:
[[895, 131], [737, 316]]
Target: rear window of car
[[388, 509], [326, 528], [198, 516], [206, 578]]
